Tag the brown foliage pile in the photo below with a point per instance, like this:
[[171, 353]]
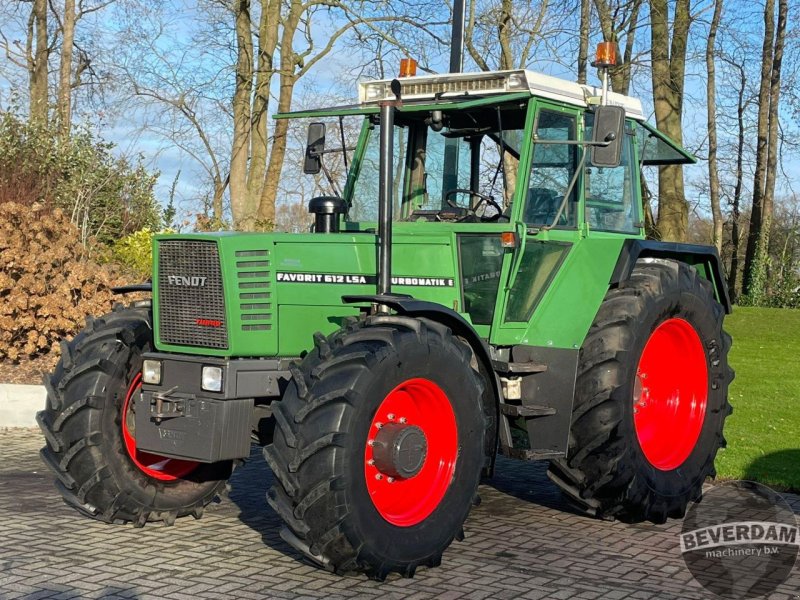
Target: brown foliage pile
[[47, 283]]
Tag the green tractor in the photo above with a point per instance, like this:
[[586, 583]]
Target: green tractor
[[482, 284]]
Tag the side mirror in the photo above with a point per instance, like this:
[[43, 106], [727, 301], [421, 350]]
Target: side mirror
[[608, 130], [314, 149]]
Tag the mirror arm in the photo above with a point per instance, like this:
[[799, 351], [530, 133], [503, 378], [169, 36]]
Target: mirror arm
[[333, 151], [572, 143]]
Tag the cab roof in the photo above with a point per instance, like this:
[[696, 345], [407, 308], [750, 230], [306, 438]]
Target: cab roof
[[440, 87], [473, 89]]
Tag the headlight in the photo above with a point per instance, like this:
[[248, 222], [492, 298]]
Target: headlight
[[517, 81], [151, 371], [212, 379], [375, 91]]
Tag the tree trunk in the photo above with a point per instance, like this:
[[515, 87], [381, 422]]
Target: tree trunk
[[711, 107], [64, 102], [583, 41], [757, 255], [289, 60], [216, 202], [265, 70], [733, 276], [504, 25], [668, 70], [751, 286], [38, 66], [244, 213], [762, 248]]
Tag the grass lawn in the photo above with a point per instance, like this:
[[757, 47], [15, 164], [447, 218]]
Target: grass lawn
[[763, 432]]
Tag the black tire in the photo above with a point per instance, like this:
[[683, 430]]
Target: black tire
[[322, 424], [82, 424], [606, 473]]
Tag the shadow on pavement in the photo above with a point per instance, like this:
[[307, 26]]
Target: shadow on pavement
[[528, 481], [248, 491]]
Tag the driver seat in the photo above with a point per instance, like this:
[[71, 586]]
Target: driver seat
[[542, 206]]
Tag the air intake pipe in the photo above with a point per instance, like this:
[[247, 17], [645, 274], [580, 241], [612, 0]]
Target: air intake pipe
[[326, 211]]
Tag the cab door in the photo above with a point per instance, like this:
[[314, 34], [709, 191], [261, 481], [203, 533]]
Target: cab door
[[546, 216], [559, 275]]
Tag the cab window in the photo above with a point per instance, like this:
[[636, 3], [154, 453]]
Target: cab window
[[552, 170], [462, 168], [611, 199]]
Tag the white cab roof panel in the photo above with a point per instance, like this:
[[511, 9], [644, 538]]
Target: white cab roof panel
[[496, 82]]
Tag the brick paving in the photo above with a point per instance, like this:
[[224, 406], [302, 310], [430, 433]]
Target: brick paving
[[522, 542]]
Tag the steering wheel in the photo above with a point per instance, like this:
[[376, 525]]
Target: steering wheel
[[482, 198]]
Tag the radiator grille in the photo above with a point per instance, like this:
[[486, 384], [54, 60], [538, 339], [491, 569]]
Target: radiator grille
[[191, 295]]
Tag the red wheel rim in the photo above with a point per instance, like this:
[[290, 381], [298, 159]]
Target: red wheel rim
[[670, 394], [153, 465], [422, 406]]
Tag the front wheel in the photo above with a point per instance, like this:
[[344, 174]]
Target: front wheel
[[91, 438], [378, 447], [651, 397]]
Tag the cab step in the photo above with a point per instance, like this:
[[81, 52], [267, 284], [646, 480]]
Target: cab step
[[517, 368], [530, 454], [529, 410]]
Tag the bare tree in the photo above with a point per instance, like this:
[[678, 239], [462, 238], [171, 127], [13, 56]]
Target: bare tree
[[64, 99], [37, 52], [70, 71], [507, 34], [757, 255], [243, 206], [50, 32], [583, 39], [735, 201], [286, 51], [618, 18], [668, 75], [711, 104], [176, 78]]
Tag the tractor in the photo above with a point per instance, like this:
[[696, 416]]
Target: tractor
[[481, 285]]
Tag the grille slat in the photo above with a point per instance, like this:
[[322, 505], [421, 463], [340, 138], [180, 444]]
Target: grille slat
[[254, 259], [182, 307]]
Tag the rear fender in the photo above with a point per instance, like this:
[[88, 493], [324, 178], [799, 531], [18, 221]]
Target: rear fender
[[703, 258]]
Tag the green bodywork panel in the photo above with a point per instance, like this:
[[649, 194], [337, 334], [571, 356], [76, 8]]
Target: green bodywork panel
[[306, 278], [545, 291], [309, 274]]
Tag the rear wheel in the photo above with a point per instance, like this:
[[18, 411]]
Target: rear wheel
[[650, 399], [91, 439], [378, 447]]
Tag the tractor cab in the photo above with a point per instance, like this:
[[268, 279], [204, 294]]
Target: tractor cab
[[512, 168]]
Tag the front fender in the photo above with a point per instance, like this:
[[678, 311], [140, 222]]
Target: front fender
[[410, 307]]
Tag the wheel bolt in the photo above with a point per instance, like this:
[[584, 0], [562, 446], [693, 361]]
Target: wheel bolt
[[370, 442], [379, 425], [371, 462], [378, 476], [403, 419], [390, 480], [390, 416]]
